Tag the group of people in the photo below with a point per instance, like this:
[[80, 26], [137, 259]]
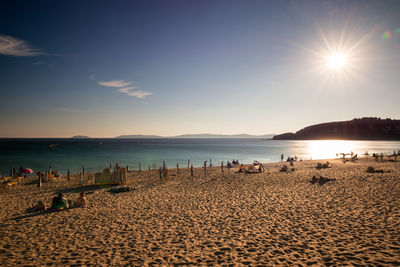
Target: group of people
[[235, 162], [257, 166], [290, 159], [60, 202]]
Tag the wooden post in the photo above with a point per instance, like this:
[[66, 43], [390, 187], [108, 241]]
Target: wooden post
[[47, 176], [140, 167], [110, 166], [177, 168], [205, 168], [165, 170], [11, 172], [149, 167], [68, 176], [83, 169], [210, 163], [40, 180], [14, 173], [80, 178], [222, 166], [159, 170], [191, 170]]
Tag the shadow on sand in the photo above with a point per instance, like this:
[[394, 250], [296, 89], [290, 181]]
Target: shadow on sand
[[87, 189], [31, 214]]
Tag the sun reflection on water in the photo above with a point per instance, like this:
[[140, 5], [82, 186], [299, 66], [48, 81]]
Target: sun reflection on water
[[327, 149]]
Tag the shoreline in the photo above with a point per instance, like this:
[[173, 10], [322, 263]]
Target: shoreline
[[97, 155], [214, 165]]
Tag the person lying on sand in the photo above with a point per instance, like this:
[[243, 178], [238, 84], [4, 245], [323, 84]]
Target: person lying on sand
[[81, 202], [322, 165], [321, 180], [372, 170], [40, 206], [59, 203]]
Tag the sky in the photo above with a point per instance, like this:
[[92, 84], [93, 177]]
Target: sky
[[110, 68]]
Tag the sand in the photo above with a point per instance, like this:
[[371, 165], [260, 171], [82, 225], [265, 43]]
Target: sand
[[266, 219]]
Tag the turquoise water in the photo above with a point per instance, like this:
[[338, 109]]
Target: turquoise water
[[97, 154]]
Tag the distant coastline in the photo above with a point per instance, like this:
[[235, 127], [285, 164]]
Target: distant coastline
[[80, 137], [206, 135]]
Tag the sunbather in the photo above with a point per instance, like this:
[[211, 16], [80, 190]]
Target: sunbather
[[59, 202], [81, 201], [242, 168], [284, 168], [40, 206]]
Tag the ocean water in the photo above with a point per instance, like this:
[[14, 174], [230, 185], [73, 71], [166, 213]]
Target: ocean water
[[97, 154]]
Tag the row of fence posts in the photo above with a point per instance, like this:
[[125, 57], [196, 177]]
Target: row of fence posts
[[163, 171]]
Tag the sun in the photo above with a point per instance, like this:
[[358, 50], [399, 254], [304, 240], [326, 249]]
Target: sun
[[336, 61]]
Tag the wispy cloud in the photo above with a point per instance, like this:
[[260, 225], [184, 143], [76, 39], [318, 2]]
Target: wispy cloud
[[116, 83], [11, 46], [139, 94], [130, 91], [126, 89]]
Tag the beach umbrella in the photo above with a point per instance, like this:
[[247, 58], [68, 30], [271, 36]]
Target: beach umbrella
[[27, 171]]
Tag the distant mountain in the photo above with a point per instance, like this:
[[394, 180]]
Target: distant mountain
[[268, 136], [356, 129], [80, 136], [139, 136]]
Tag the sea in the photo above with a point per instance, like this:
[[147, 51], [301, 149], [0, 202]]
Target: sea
[[96, 154]]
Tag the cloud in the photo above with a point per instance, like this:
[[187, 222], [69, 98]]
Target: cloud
[[126, 90], [116, 83], [139, 94], [11, 46]]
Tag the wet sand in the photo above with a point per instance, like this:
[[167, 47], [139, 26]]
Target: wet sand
[[229, 218]]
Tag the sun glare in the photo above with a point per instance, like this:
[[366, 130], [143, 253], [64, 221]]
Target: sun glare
[[336, 61], [335, 57]]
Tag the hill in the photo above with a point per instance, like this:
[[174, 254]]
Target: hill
[[269, 136], [356, 129], [206, 135], [138, 136], [80, 136]]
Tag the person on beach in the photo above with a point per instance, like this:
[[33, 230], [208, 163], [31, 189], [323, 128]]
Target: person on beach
[[55, 173], [284, 168], [40, 206], [59, 203], [281, 157], [242, 168], [81, 201]]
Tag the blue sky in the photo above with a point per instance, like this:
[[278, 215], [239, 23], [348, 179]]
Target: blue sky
[[106, 68]]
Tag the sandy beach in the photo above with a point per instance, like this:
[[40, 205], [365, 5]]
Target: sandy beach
[[266, 219]]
